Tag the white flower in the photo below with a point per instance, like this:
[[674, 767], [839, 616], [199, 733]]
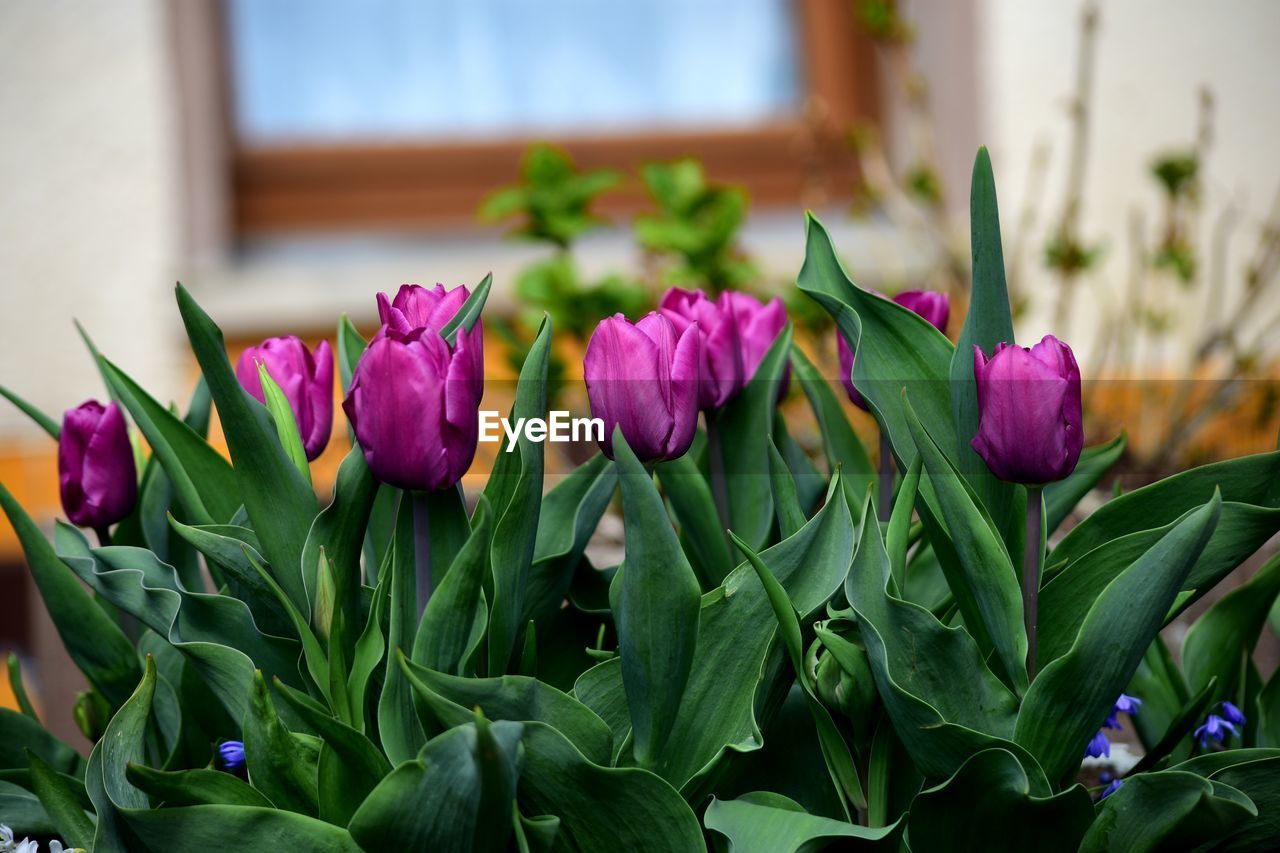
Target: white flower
[[28, 846], [6, 839]]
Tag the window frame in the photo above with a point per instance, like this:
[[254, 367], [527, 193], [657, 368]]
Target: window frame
[[282, 188]]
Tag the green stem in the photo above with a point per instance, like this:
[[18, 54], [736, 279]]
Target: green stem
[[719, 489], [1033, 558], [422, 548]]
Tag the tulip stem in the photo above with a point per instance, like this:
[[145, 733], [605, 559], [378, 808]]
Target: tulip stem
[[886, 476], [1033, 556], [422, 548], [719, 489], [104, 536]]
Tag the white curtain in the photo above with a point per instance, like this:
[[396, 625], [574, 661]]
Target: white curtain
[[392, 69]]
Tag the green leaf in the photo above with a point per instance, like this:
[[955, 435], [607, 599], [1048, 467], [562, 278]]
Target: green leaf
[[63, 805], [351, 345], [1181, 725], [1253, 480], [314, 656], [19, 689], [210, 827], [369, 651], [941, 719], [569, 516], [514, 491], [1061, 497], [655, 602], [898, 533], [736, 666], [398, 726], [694, 509], [281, 765], [453, 624], [350, 766], [232, 550], [785, 502], [105, 780], [602, 808], [835, 752], [42, 420], [203, 482], [20, 734], [1228, 632], [1073, 695], [843, 449], [988, 806], [216, 633], [988, 592], [460, 786], [339, 530], [451, 700], [197, 787], [1253, 772], [987, 323], [1169, 810], [745, 424], [765, 822], [469, 314], [286, 426], [279, 502], [94, 641]]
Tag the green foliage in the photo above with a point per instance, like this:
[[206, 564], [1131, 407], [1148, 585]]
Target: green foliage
[[553, 199], [853, 683]]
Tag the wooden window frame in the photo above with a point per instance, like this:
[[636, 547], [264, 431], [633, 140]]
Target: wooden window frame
[[291, 188]]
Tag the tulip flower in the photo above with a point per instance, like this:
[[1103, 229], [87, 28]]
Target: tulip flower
[[721, 372], [759, 325], [97, 478], [932, 305], [307, 383], [414, 405], [417, 307], [1029, 417], [644, 378]]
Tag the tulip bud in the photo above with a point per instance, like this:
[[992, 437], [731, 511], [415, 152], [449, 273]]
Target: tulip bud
[[97, 477], [414, 405], [416, 307], [91, 714], [720, 371], [932, 305], [1029, 417], [644, 378], [307, 384]]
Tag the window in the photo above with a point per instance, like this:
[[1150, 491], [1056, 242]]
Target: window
[[404, 113]]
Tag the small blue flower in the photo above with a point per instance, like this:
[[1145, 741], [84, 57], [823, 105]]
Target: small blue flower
[[1104, 777], [1232, 713], [232, 754], [1126, 704], [1214, 727], [1098, 746], [1111, 789]]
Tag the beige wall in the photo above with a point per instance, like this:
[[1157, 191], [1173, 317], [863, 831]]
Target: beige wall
[[88, 201]]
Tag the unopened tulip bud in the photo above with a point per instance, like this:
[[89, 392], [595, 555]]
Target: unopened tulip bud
[[307, 383], [97, 478]]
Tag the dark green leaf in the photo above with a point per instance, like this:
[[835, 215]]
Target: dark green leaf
[[1169, 810], [1228, 632], [42, 420], [281, 765], [694, 509], [840, 443], [64, 806], [765, 822], [1061, 497], [197, 787], [453, 624]]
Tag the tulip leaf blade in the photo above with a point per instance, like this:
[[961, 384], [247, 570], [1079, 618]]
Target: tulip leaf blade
[[453, 625], [765, 822], [987, 590], [399, 728], [514, 491], [940, 720], [285, 423], [841, 445], [61, 803], [1062, 496], [461, 786], [105, 781], [655, 599], [351, 345], [991, 790], [279, 502], [744, 425], [1228, 632], [19, 689], [281, 765], [1072, 695], [94, 641], [989, 321], [197, 787], [694, 508], [1169, 809], [204, 482], [208, 827], [785, 501], [469, 314], [41, 420]]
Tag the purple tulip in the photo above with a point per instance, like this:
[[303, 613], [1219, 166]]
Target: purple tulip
[[307, 383], [932, 305], [644, 378], [414, 405], [416, 307], [1029, 417], [759, 325], [720, 372], [96, 475]]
